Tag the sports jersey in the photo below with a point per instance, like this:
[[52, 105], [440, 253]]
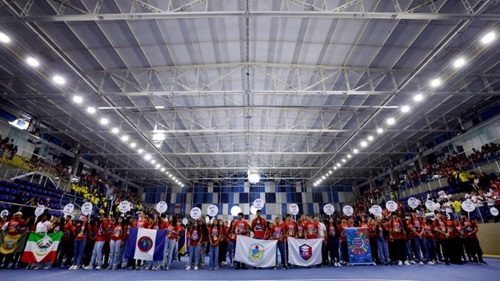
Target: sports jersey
[[278, 232], [259, 227]]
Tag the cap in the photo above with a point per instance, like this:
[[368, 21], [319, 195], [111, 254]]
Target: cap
[[19, 213]]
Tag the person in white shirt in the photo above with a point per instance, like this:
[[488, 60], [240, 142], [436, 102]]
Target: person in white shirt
[[42, 227], [321, 234]]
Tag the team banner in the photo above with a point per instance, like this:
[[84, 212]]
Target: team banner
[[304, 252], [145, 244], [10, 243], [254, 252], [358, 245], [41, 247]]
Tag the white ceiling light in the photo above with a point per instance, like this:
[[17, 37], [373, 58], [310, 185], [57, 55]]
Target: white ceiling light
[[370, 138], [436, 82], [363, 144], [343, 160], [33, 62], [133, 144], [153, 161], [338, 165], [140, 150], [158, 166], [349, 156], [488, 38], [4, 38], [58, 79], [91, 109], [104, 121], [335, 168], [170, 176], [158, 137], [323, 177], [330, 172], [459, 62], [253, 176], [159, 107], [77, 99], [147, 157], [405, 108], [418, 97], [115, 130], [380, 131], [162, 169], [124, 138], [356, 151], [174, 178], [390, 121]]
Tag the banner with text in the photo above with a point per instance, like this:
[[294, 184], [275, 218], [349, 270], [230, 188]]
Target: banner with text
[[358, 245]]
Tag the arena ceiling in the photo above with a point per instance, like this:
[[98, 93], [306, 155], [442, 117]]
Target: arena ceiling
[[211, 88]]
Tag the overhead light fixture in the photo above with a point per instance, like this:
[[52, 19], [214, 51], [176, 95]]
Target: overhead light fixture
[[335, 168], [343, 160], [253, 176], [390, 121], [174, 178], [323, 177], [338, 165], [4, 38], [363, 144], [58, 79], [349, 156], [370, 138], [158, 166], [153, 161], [488, 38], [355, 151], [124, 138], [380, 131], [459, 62], [418, 97], [170, 176], [104, 121], [147, 157], [133, 144], [436, 82], [405, 108], [330, 172], [91, 110], [140, 150], [162, 169], [33, 62], [158, 137], [159, 107], [77, 99], [115, 130]]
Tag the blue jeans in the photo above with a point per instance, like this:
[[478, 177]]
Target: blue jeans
[[115, 253], [214, 256], [79, 247], [230, 250], [97, 253], [168, 251], [409, 255], [430, 247], [281, 248], [383, 250], [418, 248], [194, 255]]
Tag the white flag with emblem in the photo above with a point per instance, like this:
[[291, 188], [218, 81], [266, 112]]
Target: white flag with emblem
[[254, 252], [304, 252]]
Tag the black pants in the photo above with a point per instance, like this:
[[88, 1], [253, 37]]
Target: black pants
[[473, 249], [65, 251], [397, 250], [374, 249], [105, 250], [333, 249], [222, 252], [345, 254], [445, 247]]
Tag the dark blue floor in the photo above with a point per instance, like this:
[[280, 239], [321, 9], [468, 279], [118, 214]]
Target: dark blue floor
[[490, 272]]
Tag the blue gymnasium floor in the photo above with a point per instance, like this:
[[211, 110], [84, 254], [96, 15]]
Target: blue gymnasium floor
[[490, 272]]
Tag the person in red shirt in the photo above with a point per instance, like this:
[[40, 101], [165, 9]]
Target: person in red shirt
[[471, 243], [194, 236], [100, 230], [455, 247], [142, 221], [66, 246], [290, 227], [311, 229], [397, 240], [259, 226], [442, 233], [14, 227], [416, 235], [117, 235], [81, 230], [216, 235], [173, 231], [240, 227], [277, 232], [429, 241], [300, 227]]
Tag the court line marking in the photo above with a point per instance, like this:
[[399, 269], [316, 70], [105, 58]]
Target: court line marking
[[329, 279]]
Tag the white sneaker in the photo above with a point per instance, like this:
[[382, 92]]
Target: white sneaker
[[196, 268], [401, 263], [407, 263], [421, 263], [188, 268], [88, 267], [412, 262], [167, 268], [339, 264], [98, 267], [72, 267], [431, 262]]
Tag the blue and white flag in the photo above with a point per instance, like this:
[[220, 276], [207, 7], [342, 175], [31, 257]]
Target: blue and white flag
[[304, 252], [145, 244], [254, 252]]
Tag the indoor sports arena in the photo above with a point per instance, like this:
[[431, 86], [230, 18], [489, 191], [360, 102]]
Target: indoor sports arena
[[262, 140]]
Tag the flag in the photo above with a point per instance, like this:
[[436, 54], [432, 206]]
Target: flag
[[145, 244], [304, 252], [41, 247], [9, 244], [358, 245], [182, 242], [254, 252]]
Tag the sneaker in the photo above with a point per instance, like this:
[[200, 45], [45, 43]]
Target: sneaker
[[339, 264], [421, 263], [46, 267], [195, 268], [88, 267], [167, 268], [400, 263], [412, 261], [71, 267], [431, 262], [407, 263], [188, 268], [98, 267]]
